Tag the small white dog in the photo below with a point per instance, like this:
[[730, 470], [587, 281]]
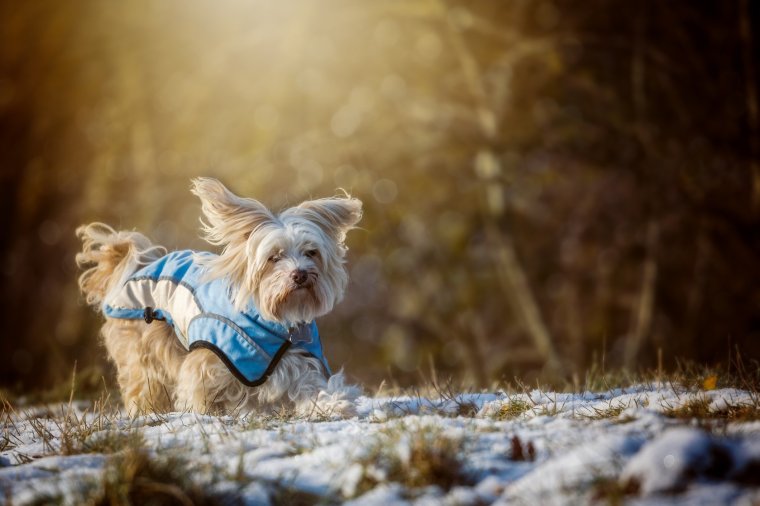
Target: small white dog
[[235, 331]]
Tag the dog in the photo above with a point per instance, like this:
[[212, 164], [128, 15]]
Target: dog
[[214, 333]]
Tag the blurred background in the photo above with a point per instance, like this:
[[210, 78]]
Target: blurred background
[[548, 185]]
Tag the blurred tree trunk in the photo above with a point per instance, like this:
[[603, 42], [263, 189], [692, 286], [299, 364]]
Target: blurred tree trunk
[[644, 311], [523, 302]]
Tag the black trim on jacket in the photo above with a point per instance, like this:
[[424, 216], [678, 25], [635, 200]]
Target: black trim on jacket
[[264, 377]]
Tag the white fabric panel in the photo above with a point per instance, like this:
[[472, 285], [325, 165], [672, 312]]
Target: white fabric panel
[[164, 294]]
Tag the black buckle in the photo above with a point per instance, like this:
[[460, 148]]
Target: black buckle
[[149, 315]]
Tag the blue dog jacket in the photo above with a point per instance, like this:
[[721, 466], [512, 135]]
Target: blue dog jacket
[[173, 289]]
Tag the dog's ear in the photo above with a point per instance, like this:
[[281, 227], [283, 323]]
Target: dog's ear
[[229, 218], [335, 215]]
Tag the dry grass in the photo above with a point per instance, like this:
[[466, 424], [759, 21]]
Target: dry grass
[[64, 430], [286, 495], [135, 476], [512, 409], [612, 492], [737, 372], [604, 413], [701, 408], [414, 457], [612, 411], [88, 384]]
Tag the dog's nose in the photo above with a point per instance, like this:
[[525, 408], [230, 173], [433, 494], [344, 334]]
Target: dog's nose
[[299, 276]]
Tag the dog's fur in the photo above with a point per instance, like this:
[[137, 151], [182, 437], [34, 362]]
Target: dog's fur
[[261, 251]]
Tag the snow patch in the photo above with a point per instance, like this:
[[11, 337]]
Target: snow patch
[[577, 440]]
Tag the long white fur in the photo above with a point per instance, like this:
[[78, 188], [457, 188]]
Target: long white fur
[[260, 251]]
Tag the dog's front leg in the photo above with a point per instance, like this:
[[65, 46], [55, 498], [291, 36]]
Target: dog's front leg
[[205, 385]]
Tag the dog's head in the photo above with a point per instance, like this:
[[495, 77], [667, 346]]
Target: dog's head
[[292, 264]]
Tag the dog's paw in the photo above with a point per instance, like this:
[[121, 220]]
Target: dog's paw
[[336, 405], [327, 405], [337, 386]]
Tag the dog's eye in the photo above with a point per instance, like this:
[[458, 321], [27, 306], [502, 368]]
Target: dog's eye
[[311, 253], [275, 258]]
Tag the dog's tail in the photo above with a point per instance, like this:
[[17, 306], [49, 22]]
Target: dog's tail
[[108, 257]]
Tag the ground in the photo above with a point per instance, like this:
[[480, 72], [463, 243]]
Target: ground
[[649, 443]]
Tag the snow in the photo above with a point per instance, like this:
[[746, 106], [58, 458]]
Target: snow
[[669, 462], [683, 455], [621, 438]]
